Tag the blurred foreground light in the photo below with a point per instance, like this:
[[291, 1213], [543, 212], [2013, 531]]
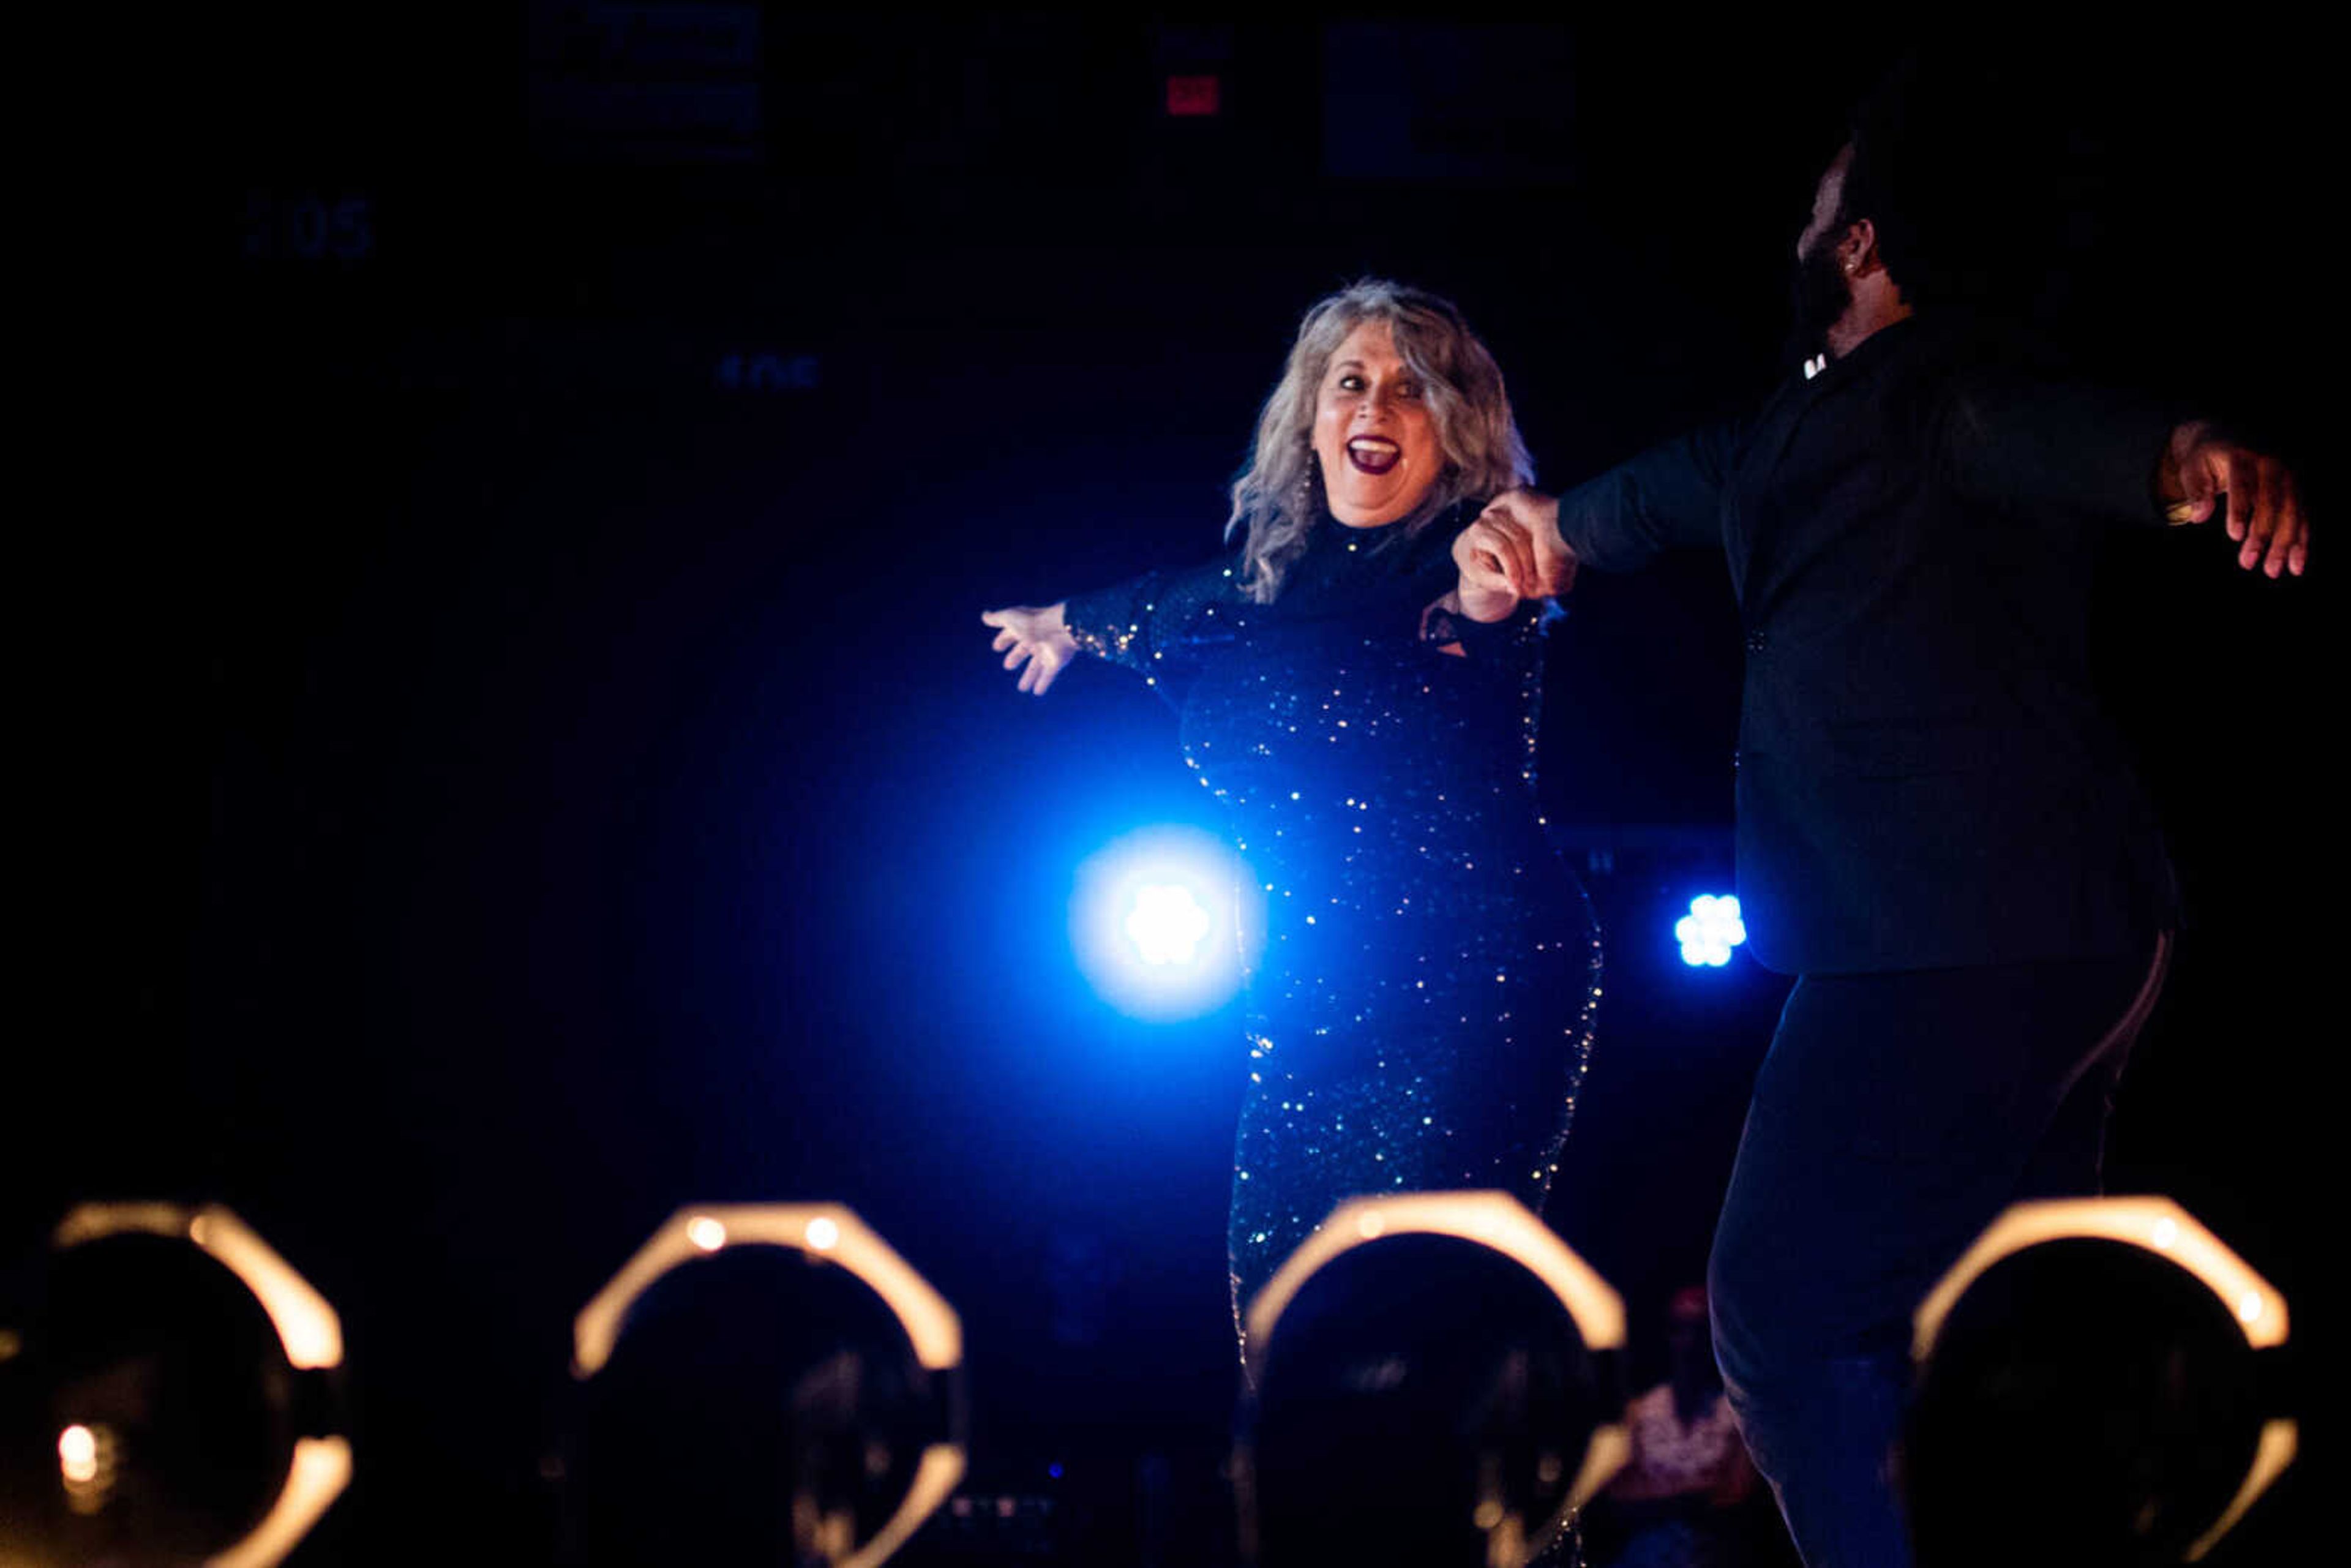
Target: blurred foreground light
[[78, 1453], [753, 1347], [1711, 930], [2098, 1381], [179, 1371], [1436, 1379], [1161, 920]]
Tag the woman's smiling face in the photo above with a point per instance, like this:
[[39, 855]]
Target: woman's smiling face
[[1373, 431]]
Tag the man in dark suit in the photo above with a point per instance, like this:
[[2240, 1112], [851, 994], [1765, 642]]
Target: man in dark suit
[[1938, 833]]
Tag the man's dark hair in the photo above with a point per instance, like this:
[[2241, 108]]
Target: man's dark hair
[[1939, 156], [1882, 182]]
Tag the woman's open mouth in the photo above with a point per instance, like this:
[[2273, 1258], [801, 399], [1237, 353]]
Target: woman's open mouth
[[1374, 454]]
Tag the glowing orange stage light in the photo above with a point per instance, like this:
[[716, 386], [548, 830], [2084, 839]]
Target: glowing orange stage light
[[77, 1454], [2157, 1224], [306, 1326], [829, 1228]]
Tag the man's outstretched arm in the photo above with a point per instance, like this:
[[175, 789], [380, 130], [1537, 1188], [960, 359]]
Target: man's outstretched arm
[[2055, 447], [1528, 545]]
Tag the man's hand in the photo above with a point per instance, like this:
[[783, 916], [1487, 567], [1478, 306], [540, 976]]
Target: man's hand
[[2264, 509], [1512, 552]]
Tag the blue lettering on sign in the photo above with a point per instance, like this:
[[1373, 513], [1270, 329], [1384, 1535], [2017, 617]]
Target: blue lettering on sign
[[308, 227], [767, 372]]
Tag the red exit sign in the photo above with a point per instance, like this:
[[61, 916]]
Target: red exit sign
[[1195, 95]]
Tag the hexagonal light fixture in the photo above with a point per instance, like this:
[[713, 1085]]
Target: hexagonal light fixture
[[1498, 1221], [306, 1327], [2160, 1226], [835, 1233]]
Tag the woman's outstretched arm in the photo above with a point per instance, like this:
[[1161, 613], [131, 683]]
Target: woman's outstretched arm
[[1152, 625]]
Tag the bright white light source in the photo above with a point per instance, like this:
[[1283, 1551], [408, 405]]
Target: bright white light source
[[1157, 921], [705, 1233], [1711, 930], [77, 1454], [823, 1234], [1167, 923]]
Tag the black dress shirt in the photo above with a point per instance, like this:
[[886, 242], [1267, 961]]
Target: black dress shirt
[[1925, 778]]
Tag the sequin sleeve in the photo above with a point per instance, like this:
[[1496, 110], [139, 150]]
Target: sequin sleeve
[[1159, 623]]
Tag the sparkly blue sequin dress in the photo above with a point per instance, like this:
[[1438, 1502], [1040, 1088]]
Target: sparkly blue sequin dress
[[1422, 1011]]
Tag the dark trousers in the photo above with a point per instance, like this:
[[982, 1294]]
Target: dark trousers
[[1895, 1115]]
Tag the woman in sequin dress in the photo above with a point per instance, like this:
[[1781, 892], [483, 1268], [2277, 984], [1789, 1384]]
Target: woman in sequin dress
[[1422, 1011]]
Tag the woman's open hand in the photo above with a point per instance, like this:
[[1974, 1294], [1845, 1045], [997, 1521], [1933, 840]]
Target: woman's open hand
[[1037, 639]]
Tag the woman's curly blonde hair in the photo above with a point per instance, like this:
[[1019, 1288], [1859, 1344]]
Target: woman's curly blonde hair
[[1278, 500]]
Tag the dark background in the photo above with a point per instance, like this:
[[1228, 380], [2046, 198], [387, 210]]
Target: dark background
[[513, 748]]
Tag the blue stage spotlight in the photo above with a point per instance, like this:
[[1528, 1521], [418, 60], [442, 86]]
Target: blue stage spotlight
[[1159, 920], [1711, 930], [1166, 923]]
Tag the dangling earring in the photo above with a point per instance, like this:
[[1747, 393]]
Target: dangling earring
[[1309, 479]]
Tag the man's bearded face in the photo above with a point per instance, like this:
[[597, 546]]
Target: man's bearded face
[[1818, 284], [1819, 296]]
